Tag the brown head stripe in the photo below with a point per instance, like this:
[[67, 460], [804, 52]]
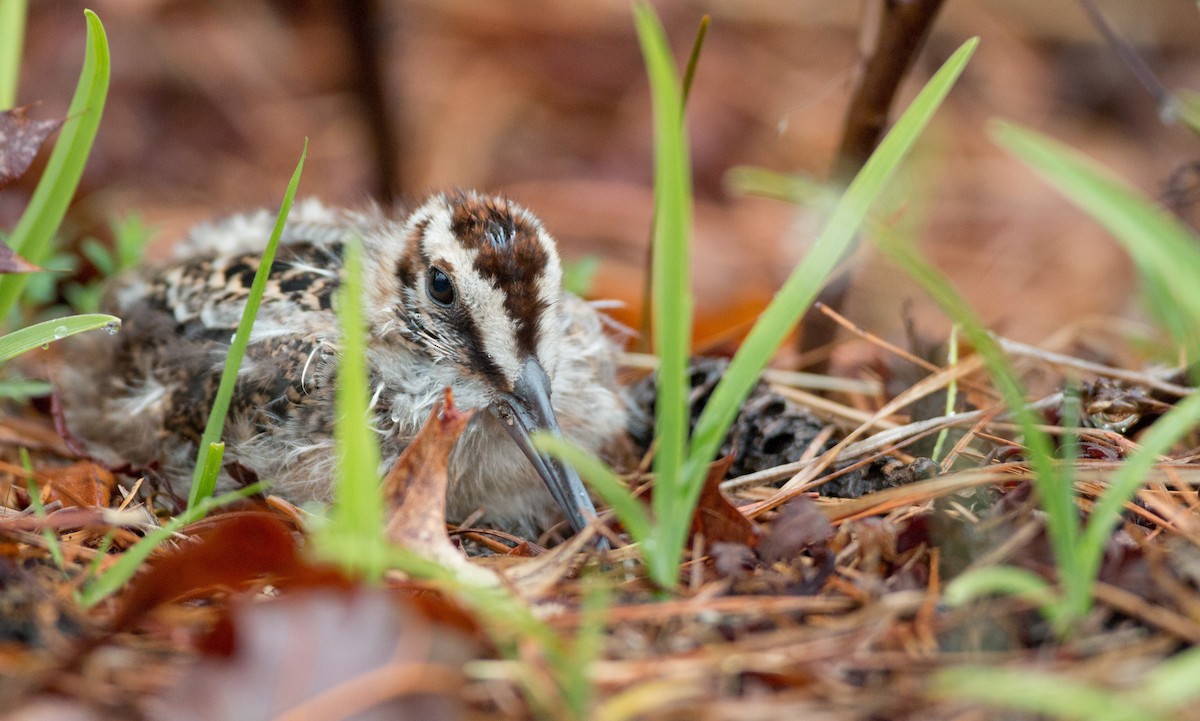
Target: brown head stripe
[[406, 265], [509, 254]]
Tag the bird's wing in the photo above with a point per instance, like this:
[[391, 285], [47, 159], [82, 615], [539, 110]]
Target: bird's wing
[[207, 293]]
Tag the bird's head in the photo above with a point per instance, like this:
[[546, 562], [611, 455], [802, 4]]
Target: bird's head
[[476, 285]]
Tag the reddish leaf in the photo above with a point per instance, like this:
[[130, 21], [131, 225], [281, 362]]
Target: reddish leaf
[[232, 550], [437, 608], [717, 518], [20, 140]]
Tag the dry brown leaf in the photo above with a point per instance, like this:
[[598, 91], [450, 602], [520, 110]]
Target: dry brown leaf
[[415, 491], [10, 262], [717, 518], [80, 484], [799, 526], [539, 576], [20, 141]]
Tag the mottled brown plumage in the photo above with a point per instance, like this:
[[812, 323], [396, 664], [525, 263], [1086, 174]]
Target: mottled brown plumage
[[465, 291]]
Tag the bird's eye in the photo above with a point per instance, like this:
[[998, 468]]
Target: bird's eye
[[439, 287]]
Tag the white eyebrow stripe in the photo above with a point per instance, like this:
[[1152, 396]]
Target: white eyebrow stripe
[[481, 299]]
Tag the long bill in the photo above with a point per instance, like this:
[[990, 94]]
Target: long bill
[[527, 409]]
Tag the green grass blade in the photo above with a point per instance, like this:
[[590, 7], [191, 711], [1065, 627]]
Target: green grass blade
[[33, 237], [580, 275], [356, 526], [132, 558], [1168, 255], [41, 334], [130, 238], [601, 478], [211, 470], [806, 281], [581, 653], [1173, 682], [1036, 691], [12, 38], [22, 389], [1159, 244], [689, 70], [789, 188], [237, 350], [1007, 580], [671, 291], [93, 567], [1186, 106]]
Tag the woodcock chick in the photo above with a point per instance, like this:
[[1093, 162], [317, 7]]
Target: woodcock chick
[[465, 291]]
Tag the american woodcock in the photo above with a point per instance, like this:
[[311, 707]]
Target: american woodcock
[[464, 292]]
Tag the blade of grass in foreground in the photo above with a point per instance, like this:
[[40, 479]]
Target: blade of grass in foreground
[[601, 479], [671, 291], [354, 535], [39, 511], [1035, 691], [33, 237], [806, 281], [202, 485], [41, 334], [12, 37]]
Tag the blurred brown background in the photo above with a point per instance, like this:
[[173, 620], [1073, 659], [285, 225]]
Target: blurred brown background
[[547, 101]]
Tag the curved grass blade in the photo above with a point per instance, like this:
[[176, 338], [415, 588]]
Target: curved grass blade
[[237, 350], [601, 478], [210, 470], [1167, 254], [42, 334], [1056, 495], [806, 281], [1162, 247], [33, 237]]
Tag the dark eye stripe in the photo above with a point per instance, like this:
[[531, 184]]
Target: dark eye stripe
[[481, 362]]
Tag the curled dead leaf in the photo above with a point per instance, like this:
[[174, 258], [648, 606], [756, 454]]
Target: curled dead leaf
[[415, 491], [20, 140]]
